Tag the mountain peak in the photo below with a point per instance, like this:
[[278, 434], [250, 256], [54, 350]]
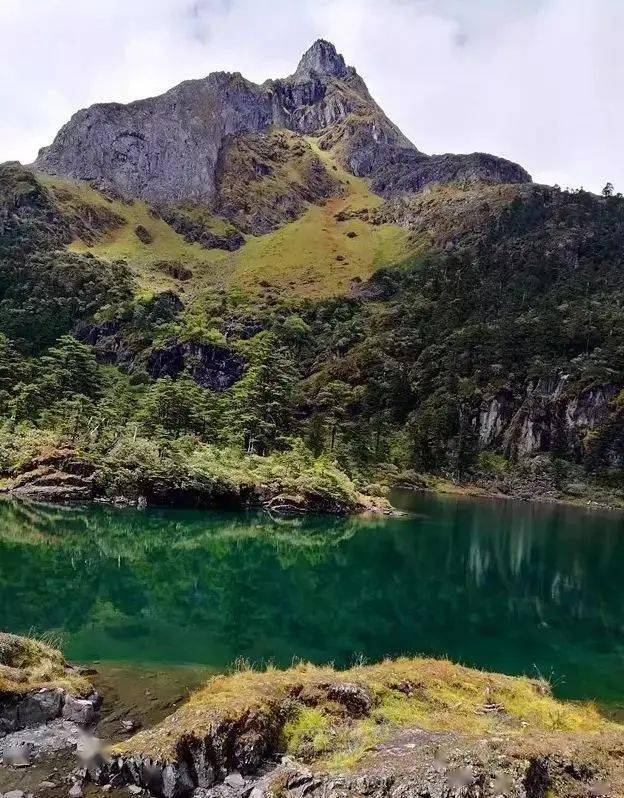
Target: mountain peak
[[321, 59]]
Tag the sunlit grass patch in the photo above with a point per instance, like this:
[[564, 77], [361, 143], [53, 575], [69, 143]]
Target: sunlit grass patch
[[28, 664], [405, 694]]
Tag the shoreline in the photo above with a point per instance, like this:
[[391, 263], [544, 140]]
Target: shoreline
[[268, 732], [447, 487]]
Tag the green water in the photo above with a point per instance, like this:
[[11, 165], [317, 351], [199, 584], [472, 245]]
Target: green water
[[508, 586]]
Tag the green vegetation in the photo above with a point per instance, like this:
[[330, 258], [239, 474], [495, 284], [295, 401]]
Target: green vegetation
[[336, 718], [302, 249], [205, 376], [307, 733]]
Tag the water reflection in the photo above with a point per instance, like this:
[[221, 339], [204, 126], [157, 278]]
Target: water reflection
[[507, 586]]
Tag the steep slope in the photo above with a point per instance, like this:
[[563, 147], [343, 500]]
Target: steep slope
[[316, 249], [167, 148]]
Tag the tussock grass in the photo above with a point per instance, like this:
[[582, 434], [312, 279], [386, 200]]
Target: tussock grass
[[428, 694], [28, 664]]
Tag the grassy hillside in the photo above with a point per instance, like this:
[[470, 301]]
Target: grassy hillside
[[473, 331], [314, 256], [122, 243]]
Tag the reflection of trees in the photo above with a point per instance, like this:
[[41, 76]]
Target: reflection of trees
[[499, 585]]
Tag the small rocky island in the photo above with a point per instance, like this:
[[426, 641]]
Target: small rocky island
[[407, 727]]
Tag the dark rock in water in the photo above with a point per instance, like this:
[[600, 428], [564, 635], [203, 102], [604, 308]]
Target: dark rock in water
[[210, 366]]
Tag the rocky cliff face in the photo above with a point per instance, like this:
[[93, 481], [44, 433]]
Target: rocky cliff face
[[552, 418], [167, 148]]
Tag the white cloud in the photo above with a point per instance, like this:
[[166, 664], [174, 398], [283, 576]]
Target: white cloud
[[538, 81]]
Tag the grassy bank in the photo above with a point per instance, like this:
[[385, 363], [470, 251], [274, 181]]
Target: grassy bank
[[335, 720], [28, 665]]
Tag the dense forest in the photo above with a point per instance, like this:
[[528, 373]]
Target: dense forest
[[494, 355]]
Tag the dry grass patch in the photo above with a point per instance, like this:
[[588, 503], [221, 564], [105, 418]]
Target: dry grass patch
[[27, 665]]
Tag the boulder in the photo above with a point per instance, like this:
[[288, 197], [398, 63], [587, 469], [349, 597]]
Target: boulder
[[81, 711]]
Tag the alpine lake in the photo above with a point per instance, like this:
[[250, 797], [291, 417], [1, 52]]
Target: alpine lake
[[516, 587]]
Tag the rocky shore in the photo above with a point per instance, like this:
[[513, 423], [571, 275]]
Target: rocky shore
[[64, 475], [410, 727], [46, 706]]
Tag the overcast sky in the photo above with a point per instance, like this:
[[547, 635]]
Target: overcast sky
[[537, 81]]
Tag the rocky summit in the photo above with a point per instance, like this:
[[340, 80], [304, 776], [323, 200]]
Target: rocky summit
[[170, 148]]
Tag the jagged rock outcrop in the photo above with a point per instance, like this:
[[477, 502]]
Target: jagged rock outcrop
[[552, 417], [167, 148], [213, 367], [268, 179], [59, 475], [230, 743], [405, 172], [195, 231]]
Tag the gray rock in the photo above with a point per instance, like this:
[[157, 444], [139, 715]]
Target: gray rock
[[130, 725], [17, 754], [79, 710], [321, 60], [210, 366], [167, 148], [176, 781], [75, 791], [38, 708], [47, 738], [234, 780], [14, 794], [354, 697]]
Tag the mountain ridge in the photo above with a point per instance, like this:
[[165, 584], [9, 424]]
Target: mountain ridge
[[167, 148]]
